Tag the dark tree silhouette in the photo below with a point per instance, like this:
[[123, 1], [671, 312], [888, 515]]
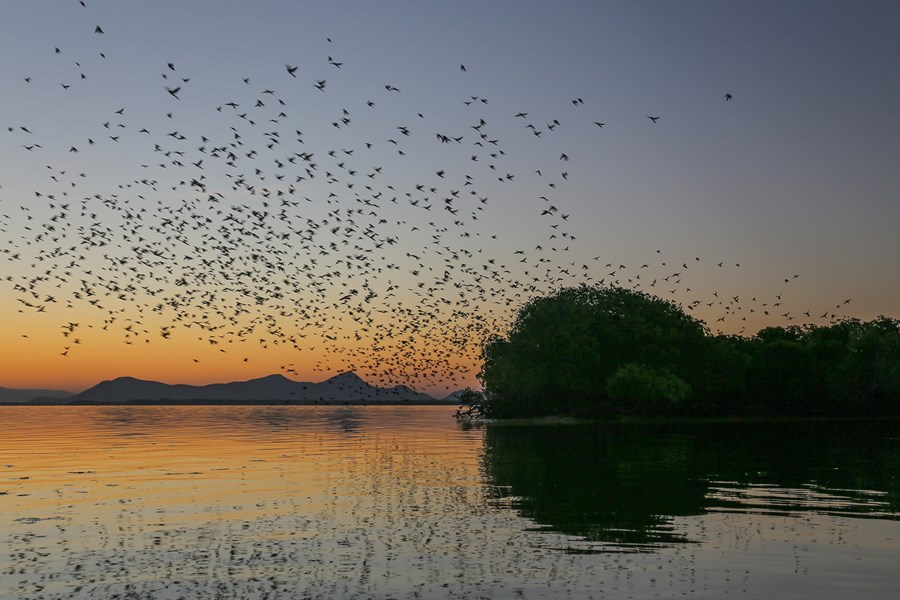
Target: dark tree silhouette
[[599, 351]]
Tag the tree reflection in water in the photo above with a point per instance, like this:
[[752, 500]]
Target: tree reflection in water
[[620, 486]]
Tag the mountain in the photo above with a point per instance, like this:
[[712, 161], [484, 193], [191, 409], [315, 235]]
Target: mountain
[[18, 396], [345, 388], [453, 397]]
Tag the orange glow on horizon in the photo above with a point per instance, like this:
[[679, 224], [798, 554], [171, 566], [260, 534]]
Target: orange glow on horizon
[[37, 357]]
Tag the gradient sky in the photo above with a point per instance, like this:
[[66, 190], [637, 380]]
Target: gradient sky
[[796, 175]]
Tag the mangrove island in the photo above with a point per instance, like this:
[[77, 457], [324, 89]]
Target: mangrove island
[[598, 351]]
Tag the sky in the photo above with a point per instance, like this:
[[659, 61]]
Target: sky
[[377, 187]]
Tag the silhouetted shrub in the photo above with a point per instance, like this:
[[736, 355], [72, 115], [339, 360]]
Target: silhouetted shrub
[[640, 389]]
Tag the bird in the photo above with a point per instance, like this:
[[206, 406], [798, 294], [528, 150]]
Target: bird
[[654, 119]]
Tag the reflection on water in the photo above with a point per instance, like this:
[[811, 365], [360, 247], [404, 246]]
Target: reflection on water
[[607, 486], [334, 502], [623, 485]]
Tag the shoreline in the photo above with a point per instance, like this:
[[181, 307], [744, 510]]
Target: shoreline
[[637, 420], [238, 403]]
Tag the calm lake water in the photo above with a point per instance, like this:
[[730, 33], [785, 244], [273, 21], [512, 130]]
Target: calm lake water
[[400, 502]]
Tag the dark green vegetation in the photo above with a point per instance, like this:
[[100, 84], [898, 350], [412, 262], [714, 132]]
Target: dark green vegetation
[[602, 351], [622, 484]]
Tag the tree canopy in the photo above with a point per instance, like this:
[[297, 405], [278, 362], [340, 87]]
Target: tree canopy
[[595, 351]]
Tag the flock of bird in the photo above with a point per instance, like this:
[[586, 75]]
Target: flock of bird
[[251, 234]]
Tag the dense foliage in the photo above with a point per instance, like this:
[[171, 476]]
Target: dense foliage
[[594, 351]]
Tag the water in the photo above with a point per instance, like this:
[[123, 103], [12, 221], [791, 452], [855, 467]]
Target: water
[[397, 502]]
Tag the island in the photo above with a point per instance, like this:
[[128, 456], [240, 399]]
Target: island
[[602, 351]]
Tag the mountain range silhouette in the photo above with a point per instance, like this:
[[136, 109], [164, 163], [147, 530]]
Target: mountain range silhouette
[[23, 396], [344, 388]]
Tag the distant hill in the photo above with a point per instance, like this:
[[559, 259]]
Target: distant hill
[[453, 397], [20, 396], [346, 388]]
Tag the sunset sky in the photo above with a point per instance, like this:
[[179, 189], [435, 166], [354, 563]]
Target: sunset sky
[[368, 198]]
